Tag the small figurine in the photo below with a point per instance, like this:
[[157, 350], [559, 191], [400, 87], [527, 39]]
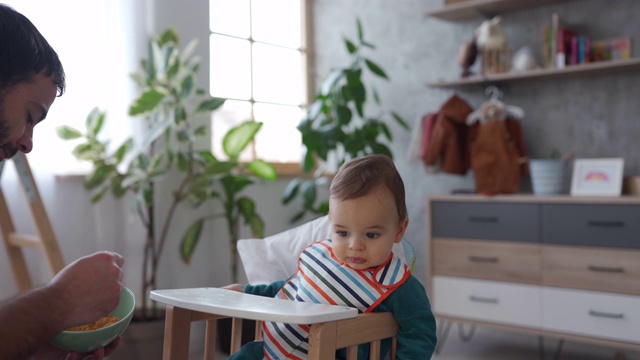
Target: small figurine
[[467, 56], [524, 60], [492, 45], [490, 35]]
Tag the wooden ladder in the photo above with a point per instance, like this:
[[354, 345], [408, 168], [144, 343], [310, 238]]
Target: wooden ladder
[[15, 242]]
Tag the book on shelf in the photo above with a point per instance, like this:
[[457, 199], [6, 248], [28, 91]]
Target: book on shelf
[[556, 42], [611, 49], [564, 38], [564, 45], [546, 46]]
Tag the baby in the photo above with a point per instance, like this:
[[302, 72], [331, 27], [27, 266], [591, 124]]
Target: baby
[[355, 268]]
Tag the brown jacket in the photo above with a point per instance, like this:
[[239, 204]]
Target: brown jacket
[[448, 145], [497, 156]]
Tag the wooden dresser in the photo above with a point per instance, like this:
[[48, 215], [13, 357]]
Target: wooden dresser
[[561, 266]]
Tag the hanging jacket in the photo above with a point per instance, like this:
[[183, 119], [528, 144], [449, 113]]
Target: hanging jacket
[[497, 151], [448, 145]]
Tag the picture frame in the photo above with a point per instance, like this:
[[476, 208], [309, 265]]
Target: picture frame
[[597, 177]]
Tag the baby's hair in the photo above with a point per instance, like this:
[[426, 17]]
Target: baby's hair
[[363, 175]]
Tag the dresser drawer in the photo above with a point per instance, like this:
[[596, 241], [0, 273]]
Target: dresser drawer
[[609, 316], [612, 270], [485, 220], [505, 303], [591, 225], [490, 260]]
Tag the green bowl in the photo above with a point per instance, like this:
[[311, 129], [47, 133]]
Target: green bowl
[[84, 341]]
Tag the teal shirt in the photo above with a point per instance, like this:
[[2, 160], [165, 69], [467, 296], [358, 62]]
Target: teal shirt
[[408, 304]]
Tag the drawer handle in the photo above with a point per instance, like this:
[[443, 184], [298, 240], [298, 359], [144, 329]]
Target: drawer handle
[[604, 223], [606, 315], [605, 269], [483, 259], [483, 219], [485, 300]]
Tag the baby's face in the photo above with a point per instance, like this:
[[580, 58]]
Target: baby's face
[[363, 230]]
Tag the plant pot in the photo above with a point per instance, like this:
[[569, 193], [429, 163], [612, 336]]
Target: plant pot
[[547, 176], [141, 340]]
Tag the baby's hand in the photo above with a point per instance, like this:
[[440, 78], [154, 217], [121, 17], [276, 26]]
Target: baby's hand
[[235, 287]]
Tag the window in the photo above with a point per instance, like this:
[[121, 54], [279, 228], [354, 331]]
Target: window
[[258, 51]]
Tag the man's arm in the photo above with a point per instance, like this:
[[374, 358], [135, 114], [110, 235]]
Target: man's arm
[[82, 292], [27, 321]]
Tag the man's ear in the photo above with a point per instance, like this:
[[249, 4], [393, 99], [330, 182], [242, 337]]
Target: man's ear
[[402, 227]]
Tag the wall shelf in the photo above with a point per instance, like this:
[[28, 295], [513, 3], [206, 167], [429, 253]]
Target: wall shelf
[[589, 69], [484, 8]]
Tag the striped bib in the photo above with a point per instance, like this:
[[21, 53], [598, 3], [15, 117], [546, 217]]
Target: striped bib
[[322, 279]]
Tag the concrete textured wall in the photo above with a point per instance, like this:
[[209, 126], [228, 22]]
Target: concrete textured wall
[[593, 117]]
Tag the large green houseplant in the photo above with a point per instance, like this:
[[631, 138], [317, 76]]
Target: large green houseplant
[[175, 113], [336, 127]]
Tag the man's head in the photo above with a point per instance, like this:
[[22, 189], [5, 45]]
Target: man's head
[[31, 76], [367, 210]]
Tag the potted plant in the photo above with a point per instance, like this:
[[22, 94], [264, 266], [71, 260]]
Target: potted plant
[[170, 105], [336, 128], [547, 174]]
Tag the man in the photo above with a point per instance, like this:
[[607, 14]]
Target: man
[[31, 76]]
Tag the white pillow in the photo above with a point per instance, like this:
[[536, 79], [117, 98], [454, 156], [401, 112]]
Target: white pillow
[[276, 257]]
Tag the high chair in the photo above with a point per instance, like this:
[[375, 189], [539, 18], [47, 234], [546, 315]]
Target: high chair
[[266, 260]]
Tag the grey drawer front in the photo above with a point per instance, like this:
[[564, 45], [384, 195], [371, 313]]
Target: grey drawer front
[[592, 225], [483, 220]]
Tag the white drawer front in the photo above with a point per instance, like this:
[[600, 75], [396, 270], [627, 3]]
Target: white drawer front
[[598, 314], [492, 301]]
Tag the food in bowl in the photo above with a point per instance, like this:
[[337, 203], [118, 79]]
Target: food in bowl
[[98, 324], [89, 340]]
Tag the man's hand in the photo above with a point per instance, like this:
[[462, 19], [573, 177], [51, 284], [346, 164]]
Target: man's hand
[[89, 288]]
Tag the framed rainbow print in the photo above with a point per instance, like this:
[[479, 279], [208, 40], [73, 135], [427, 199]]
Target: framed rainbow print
[[597, 177]]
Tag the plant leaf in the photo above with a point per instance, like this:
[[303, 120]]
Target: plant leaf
[[309, 193], [68, 133], [190, 240], [257, 226], [237, 139], [98, 176], [351, 47], [94, 122], [210, 104], [169, 35], [122, 150], [330, 82], [263, 169], [246, 207], [146, 102], [400, 120], [290, 191], [375, 69]]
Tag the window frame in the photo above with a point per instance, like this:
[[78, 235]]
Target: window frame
[[308, 85]]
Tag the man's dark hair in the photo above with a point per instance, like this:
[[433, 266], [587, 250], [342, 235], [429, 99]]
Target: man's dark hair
[[24, 52]]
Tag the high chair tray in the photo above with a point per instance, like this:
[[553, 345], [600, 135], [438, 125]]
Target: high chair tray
[[240, 305]]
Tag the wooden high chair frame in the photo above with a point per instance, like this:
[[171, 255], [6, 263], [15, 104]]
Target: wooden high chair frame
[[332, 327]]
